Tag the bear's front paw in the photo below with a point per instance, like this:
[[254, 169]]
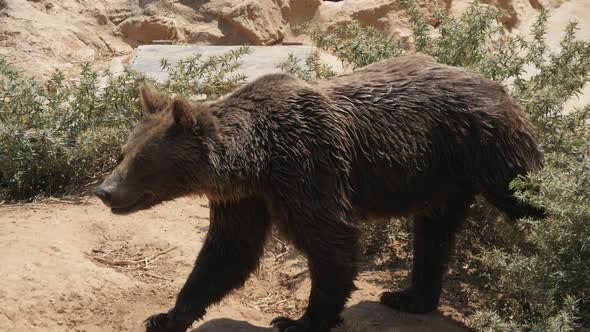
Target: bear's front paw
[[166, 322], [409, 301], [285, 324]]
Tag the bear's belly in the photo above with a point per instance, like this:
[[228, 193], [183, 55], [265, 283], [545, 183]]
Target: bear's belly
[[383, 204], [375, 199]]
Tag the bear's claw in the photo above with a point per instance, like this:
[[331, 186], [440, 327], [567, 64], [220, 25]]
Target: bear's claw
[[156, 323], [285, 324], [166, 322]]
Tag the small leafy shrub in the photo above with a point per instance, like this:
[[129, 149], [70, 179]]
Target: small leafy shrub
[[313, 69], [56, 138], [536, 273], [211, 76], [354, 44]]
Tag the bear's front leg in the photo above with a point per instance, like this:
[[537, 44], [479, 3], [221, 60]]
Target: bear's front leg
[[231, 251], [332, 252]]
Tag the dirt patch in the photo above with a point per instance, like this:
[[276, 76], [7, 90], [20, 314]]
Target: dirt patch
[[133, 262], [73, 266]]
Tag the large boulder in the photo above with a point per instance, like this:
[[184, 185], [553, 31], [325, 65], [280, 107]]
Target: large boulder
[[256, 22], [376, 14], [387, 16], [297, 10], [148, 29]]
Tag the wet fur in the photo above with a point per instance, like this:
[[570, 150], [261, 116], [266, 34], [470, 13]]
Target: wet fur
[[401, 137]]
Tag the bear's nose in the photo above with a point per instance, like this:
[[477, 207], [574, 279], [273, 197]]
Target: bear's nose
[[103, 194]]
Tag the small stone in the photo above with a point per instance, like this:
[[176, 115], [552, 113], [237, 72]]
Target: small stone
[[206, 35], [101, 16]]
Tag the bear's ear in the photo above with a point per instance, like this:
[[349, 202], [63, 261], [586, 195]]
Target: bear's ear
[[182, 110], [197, 118], [151, 100]]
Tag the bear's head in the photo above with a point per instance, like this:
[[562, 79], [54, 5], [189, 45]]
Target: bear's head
[[165, 156]]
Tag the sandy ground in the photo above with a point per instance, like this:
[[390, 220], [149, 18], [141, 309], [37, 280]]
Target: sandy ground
[[70, 265]]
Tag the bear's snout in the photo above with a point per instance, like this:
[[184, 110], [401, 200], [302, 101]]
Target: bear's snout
[[122, 195], [104, 195]]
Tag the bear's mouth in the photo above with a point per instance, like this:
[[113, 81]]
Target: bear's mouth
[[144, 201]]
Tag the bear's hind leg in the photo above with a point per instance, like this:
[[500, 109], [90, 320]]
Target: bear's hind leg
[[434, 237]]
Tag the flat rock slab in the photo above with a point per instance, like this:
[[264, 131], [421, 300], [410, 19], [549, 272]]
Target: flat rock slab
[[261, 60], [362, 317]]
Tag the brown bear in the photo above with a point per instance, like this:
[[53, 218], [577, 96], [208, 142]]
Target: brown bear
[[401, 137]]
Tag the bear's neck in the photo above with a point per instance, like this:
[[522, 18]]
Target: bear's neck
[[237, 161]]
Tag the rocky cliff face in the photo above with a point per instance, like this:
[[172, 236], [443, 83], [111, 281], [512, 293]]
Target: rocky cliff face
[[40, 36]]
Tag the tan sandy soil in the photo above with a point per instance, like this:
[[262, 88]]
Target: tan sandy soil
[[70, 265]]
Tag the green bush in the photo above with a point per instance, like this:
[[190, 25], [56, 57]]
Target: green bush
[[312, 69], [537, 272], [354, 44], [55, 138], [211, 76]]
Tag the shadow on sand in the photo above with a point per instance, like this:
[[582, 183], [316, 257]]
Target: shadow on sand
[[364, 316]]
